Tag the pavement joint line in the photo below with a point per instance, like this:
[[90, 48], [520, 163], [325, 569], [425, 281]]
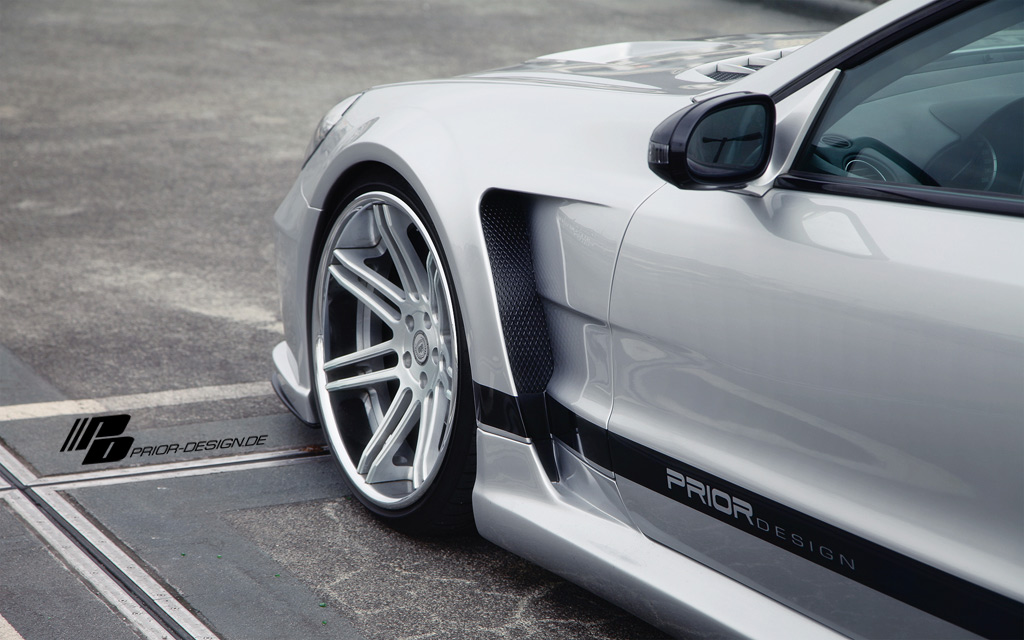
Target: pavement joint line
[[16, 468], [34, 410], [123, 562], [86, 564], [99, 560], [180, 472], [156, 469], [184, 473], [86, 568]]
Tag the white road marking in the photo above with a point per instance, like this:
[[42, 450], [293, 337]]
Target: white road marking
[[169, 469], [48, 489], [87, 569], [123, 561], [171, 475], [10, 462], [7, 632], [137, 401]]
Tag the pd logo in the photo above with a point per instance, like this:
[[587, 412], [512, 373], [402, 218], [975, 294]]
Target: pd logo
[[100, 436]]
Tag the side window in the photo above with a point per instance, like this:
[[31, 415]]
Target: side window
[[942, 109]]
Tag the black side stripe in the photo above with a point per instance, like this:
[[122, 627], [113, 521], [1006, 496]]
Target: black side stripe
[[943, 595], [933, 591]]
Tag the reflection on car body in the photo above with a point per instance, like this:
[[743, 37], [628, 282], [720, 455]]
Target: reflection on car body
[[729, 331]]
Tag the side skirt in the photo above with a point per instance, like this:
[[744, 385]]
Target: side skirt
[[575, 529], [585, 468]]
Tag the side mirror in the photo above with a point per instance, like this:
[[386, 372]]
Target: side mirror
[[723, 142]]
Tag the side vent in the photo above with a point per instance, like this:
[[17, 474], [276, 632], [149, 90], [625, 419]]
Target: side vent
[[505, 218]]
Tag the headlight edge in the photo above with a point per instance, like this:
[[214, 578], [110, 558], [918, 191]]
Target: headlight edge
[[327, 123]]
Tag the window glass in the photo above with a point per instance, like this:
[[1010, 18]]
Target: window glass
[[944, 109]]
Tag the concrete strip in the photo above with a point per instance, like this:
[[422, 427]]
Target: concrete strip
[[180, 529], [88, 570], [7, 632], [129, 567], [10, 462], [42, 597], [212, 465], [177, 473]]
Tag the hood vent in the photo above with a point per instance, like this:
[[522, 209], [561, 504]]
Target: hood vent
[[725, 76], [733, 68]]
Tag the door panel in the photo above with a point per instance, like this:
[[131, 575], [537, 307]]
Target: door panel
[[858, 362]]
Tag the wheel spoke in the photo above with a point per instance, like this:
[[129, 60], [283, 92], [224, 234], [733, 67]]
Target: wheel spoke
[[433, 300], [363, 380], [438, 304], [432, 425], [397, 412], [407, 262], [446, 375], [362, 355], [381, 467], [355, 261], [364, 294]]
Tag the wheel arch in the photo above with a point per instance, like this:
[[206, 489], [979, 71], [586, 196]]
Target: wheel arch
[[338, 190], [452, 201]]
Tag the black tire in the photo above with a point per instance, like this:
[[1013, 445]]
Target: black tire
[[390, 373]]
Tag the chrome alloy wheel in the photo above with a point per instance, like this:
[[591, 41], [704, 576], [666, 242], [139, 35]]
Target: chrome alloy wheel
[[385, 350]]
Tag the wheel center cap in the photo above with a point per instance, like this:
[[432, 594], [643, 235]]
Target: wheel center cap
[[420, 347]]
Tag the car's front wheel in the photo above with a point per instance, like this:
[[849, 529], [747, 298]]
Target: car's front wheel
[[390, 373]]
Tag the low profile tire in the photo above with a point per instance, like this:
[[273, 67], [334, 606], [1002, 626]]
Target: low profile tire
[[391, 375]]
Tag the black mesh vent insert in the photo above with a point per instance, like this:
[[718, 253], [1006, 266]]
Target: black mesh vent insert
[[505, 217], [726, 76]]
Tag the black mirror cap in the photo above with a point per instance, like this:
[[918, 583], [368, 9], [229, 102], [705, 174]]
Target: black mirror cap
[[668, 149]]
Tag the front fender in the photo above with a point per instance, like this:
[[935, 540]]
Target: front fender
[[420, 149]]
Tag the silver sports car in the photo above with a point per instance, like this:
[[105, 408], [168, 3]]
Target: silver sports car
[[728, 331]]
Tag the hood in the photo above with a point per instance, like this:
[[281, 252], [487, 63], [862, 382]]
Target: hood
[[680, 66]]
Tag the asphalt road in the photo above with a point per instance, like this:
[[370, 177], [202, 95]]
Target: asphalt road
[[144, 146]]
